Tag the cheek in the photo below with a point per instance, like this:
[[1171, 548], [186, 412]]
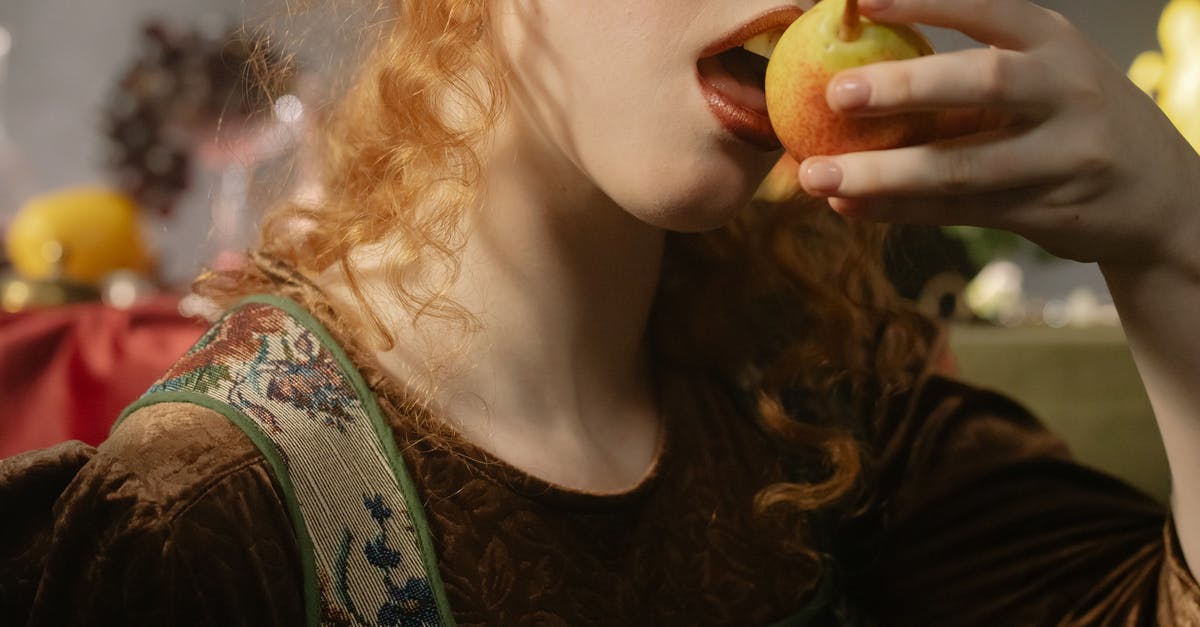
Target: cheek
[[640, 130], [631, 119]]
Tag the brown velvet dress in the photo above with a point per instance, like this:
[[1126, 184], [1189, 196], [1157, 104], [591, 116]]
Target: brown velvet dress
[[981, 518]]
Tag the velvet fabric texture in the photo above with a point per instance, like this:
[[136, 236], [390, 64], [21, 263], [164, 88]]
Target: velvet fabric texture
[[175, 521], [979, 517]]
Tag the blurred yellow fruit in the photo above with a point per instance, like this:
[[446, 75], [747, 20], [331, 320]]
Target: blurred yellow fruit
[[1147, 70], [1179, 97], [1179, 27], [85, 232], [782, 183], [1173, 77]]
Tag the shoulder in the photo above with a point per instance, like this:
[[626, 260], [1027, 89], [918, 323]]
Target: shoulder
[[178, 473], [969, 482], [948, 419], [175, 452], [180, 501], [945, 434], [164, 465]]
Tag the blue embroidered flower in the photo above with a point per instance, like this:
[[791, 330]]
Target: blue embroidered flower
[[379, 511], [379, 554], [410, 606]]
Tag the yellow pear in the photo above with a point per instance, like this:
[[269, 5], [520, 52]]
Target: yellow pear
[[824, 41]]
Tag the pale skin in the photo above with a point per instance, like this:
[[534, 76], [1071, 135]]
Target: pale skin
[[607, 145]]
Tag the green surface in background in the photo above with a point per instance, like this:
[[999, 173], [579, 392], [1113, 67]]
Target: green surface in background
[[1082, 383]]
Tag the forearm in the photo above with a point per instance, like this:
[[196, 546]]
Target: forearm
[[1160, 311]]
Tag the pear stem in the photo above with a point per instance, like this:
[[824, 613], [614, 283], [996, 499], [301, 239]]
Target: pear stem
[[851, 27]]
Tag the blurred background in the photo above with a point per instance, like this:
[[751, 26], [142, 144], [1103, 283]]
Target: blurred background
[[134, 117]]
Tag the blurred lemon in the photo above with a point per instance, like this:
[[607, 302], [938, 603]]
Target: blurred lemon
[[79, 235]]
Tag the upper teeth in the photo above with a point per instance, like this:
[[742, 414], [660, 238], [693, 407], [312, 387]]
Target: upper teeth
[[763, 44]]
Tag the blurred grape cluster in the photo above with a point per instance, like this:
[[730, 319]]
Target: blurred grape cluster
[[182, 86]]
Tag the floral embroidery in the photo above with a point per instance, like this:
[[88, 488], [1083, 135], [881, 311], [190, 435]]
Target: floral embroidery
[[379, 511], [247, 356], [411, 605], [285, 383]]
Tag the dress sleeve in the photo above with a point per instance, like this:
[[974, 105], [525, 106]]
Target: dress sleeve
[[174, 521], [985, 520]]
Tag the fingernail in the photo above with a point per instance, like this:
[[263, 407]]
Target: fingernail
[[822, 175], [848, 207], [875, 5], [850, 93]]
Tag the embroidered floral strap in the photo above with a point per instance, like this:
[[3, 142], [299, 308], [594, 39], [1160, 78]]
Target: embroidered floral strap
[[365, 546]]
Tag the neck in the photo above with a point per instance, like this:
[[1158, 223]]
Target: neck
[[562, 281]]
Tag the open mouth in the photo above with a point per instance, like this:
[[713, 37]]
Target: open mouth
[[738, 75], [732, 74]]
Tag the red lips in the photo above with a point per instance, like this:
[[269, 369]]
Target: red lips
[[775, 19], [731, 79]]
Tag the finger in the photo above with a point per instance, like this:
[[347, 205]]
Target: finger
[[1013, 24], [976, 77], [1002, 209], [983, 162], [966, 121]]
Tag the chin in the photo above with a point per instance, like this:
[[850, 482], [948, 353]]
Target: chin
[[700, 206], [695, 216]]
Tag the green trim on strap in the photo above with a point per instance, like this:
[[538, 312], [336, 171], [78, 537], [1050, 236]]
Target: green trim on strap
[[312, 603], [382, 432]]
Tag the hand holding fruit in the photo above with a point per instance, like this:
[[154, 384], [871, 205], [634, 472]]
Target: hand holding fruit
[[1060, 146]]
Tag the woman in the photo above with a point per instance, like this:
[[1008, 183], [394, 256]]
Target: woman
[[627, 395]]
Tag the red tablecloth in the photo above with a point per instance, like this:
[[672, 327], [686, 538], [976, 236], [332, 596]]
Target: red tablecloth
[[66, 373]]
